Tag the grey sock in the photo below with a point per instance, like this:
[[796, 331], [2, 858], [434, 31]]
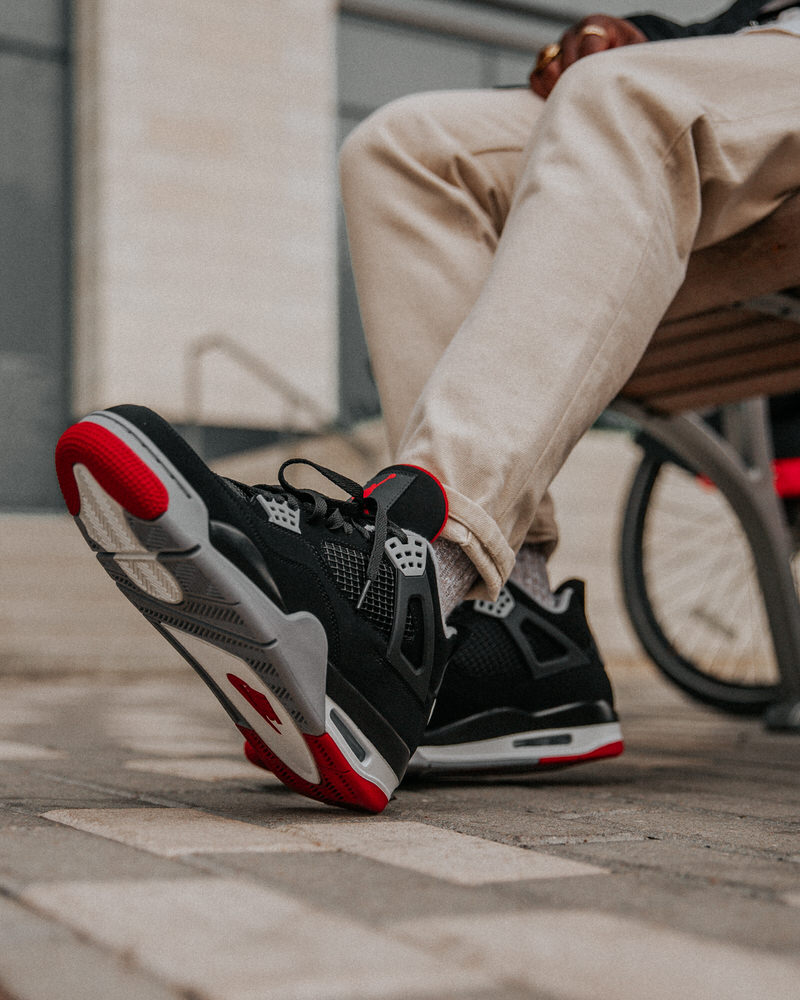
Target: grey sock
[[530, 574], [456, 574]]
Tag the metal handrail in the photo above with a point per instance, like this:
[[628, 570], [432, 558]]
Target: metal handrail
[[297, 400], [505, 23]]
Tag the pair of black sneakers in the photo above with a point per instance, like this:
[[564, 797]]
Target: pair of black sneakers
[[316, 622]]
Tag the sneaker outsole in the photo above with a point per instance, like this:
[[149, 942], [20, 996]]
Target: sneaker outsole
[[538, 750], [151, 533], [487, 757]]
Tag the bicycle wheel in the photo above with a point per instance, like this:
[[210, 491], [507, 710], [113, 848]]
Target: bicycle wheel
[[690, 588]]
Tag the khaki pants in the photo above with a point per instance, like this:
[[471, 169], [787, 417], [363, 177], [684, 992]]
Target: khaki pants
[[513, 257]]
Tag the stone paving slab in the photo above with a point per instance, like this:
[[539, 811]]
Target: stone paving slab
[[42, 959], [226, 937], [578, 952], [158, 865]]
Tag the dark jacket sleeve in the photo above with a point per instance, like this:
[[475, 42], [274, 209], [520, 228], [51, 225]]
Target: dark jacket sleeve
[[739, 15]]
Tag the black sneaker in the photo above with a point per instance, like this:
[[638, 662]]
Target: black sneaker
[[525, 690], [315, 622]]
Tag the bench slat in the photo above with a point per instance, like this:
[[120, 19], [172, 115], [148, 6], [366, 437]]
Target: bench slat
[[708, 351], [702, 397], [751, 332]]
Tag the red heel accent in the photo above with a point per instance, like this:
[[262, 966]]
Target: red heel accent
[[255, 758], [339, 784], [609, 750], [119, 470]]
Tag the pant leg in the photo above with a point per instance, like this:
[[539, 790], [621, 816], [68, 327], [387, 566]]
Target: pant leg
[[641, 155], [427, 183]]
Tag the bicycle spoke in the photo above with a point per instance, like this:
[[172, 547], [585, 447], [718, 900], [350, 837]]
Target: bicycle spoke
[[701, 583]]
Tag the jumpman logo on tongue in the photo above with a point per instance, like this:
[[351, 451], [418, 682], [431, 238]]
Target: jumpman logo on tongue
[[371, 489]]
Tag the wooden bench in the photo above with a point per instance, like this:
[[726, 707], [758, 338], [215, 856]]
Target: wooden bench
[[732, 336]]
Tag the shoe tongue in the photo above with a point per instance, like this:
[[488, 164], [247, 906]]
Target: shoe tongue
[[415, 499]]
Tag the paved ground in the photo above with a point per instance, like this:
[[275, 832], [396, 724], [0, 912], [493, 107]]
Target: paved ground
[[141, 858]]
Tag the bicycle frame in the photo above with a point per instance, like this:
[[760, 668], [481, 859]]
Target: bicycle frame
[[739, 462]]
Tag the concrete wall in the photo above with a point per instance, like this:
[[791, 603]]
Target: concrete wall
[[205, 206]]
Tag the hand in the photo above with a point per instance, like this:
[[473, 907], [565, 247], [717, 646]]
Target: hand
[[594, 33]]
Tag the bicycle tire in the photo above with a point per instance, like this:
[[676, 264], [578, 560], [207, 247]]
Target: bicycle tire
[[723, 681]]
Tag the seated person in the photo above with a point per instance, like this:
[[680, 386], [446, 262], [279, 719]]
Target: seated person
[[514, 251]]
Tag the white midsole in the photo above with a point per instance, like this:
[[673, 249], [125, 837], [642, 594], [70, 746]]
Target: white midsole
[[374, 767], [512, 750]]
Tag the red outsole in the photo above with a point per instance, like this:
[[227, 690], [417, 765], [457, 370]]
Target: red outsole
[[118, 469], [339, 784], [609, 750], [253, 756]]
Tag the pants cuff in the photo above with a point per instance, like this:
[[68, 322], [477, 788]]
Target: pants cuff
[[469, 526]]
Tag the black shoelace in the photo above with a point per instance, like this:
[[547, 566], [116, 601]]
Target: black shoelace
[[366, 514]]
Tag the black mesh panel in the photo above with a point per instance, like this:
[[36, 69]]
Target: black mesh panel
[[349, 567], [489, 652]]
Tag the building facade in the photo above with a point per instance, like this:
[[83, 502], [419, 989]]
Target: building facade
[[169, 202]]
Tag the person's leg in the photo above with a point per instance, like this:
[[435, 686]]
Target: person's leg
[[642, 155], [427, 183]]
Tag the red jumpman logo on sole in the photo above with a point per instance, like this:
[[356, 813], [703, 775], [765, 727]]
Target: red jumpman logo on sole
[[259, 701]]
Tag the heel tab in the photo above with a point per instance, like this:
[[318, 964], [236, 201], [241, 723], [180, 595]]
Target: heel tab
[[414, 497]]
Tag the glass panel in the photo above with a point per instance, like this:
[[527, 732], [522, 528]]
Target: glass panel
[[514, 68], [33, 256], [38, 22], [379, 62]]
